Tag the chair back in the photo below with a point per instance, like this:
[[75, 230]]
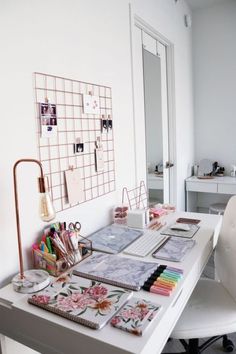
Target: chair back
[[225, 256]]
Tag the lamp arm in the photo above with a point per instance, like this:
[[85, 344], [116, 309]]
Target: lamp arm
[[17, 208]]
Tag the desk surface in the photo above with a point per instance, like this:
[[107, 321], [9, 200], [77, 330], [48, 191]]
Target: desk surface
[[51, 334]]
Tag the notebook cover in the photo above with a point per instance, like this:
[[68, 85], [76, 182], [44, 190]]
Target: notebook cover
[[112, 269], [135, 316], [179, 233], [175, 249], [113, 239], [84, 301], [188, 221]]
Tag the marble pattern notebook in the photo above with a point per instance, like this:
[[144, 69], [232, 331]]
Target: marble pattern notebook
[[113, 269], [87, 302], [136, 316], [175, 249], [113, 239]]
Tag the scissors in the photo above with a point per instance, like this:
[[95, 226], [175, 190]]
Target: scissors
[[75, 226]]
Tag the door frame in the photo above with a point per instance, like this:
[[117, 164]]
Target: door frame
[[138, 109]]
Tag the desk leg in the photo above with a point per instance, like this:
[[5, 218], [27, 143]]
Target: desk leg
[[3, 349], [191, 201]]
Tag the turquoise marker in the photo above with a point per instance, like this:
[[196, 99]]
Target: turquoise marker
[[168, 277], [172, 274]]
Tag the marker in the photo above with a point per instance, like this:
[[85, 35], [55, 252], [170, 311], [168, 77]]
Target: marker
[[178, 275], [163, 285], [157, 290], [48, 242], [169, 276], [160, 291], [177, 270]]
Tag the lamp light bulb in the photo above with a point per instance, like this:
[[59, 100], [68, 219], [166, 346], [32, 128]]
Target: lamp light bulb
[[46, 209]]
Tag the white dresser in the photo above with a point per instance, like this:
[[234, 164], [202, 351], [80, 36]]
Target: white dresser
[[218, 185]]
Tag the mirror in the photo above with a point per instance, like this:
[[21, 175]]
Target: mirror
[[153, 112], [153, 125]]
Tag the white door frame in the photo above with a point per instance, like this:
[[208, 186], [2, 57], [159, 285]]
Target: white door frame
[[138, 107]]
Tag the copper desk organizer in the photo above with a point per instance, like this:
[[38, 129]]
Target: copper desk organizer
[[58, 267]]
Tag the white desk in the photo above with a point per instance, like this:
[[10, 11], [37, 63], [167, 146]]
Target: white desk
[[218, 185], [51, 334]]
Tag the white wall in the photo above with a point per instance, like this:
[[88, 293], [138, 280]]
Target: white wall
[[214, 30], [67, 39], [74, 39]]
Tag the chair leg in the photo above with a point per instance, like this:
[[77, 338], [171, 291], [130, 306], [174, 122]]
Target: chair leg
[[193, 346], [228, 345], [209, 342], [190, 348]]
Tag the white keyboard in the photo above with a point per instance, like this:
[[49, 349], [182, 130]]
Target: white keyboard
[[149, 241]]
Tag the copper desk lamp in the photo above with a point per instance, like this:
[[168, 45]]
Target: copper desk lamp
[[33, 280]]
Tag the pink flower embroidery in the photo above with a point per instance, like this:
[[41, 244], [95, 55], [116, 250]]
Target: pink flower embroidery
[[74, 301], [97, 292], [132, 314], [41, 299], [115, 320]]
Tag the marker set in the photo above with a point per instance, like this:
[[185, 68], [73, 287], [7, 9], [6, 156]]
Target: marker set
[[163, 280]]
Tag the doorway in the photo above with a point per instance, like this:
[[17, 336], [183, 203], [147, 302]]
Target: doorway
[[153, 112]]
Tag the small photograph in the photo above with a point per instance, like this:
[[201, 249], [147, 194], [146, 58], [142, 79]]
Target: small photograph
[[48, 109], [53, 121], [104, 125], [48, 119], [109, 121], [78, 148], [45, 120]]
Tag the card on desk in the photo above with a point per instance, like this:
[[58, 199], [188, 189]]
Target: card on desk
[[136, 316], [186, 233]]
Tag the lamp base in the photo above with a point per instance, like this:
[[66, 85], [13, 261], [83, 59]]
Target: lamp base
[[34, 280]]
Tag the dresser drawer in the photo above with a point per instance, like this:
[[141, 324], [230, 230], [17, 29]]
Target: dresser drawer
[[226, 188], [201, 187]]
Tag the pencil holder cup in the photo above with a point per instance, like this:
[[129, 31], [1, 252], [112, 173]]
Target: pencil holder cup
[[56, 267]]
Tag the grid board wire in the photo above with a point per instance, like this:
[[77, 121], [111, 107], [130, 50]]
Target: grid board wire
[[57, 153]]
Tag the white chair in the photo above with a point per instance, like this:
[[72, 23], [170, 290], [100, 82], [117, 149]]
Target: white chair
[[217, 208], [211, 309]]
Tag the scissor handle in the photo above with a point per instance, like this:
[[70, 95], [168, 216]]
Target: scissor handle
[[77, 226], [71, 226]]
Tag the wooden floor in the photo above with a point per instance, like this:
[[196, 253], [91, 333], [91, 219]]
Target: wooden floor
[[174, 346]]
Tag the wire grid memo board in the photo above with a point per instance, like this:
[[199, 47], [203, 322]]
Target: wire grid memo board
[[73, 125]]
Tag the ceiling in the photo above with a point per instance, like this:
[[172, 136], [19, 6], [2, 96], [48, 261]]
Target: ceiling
[[199, 4]]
